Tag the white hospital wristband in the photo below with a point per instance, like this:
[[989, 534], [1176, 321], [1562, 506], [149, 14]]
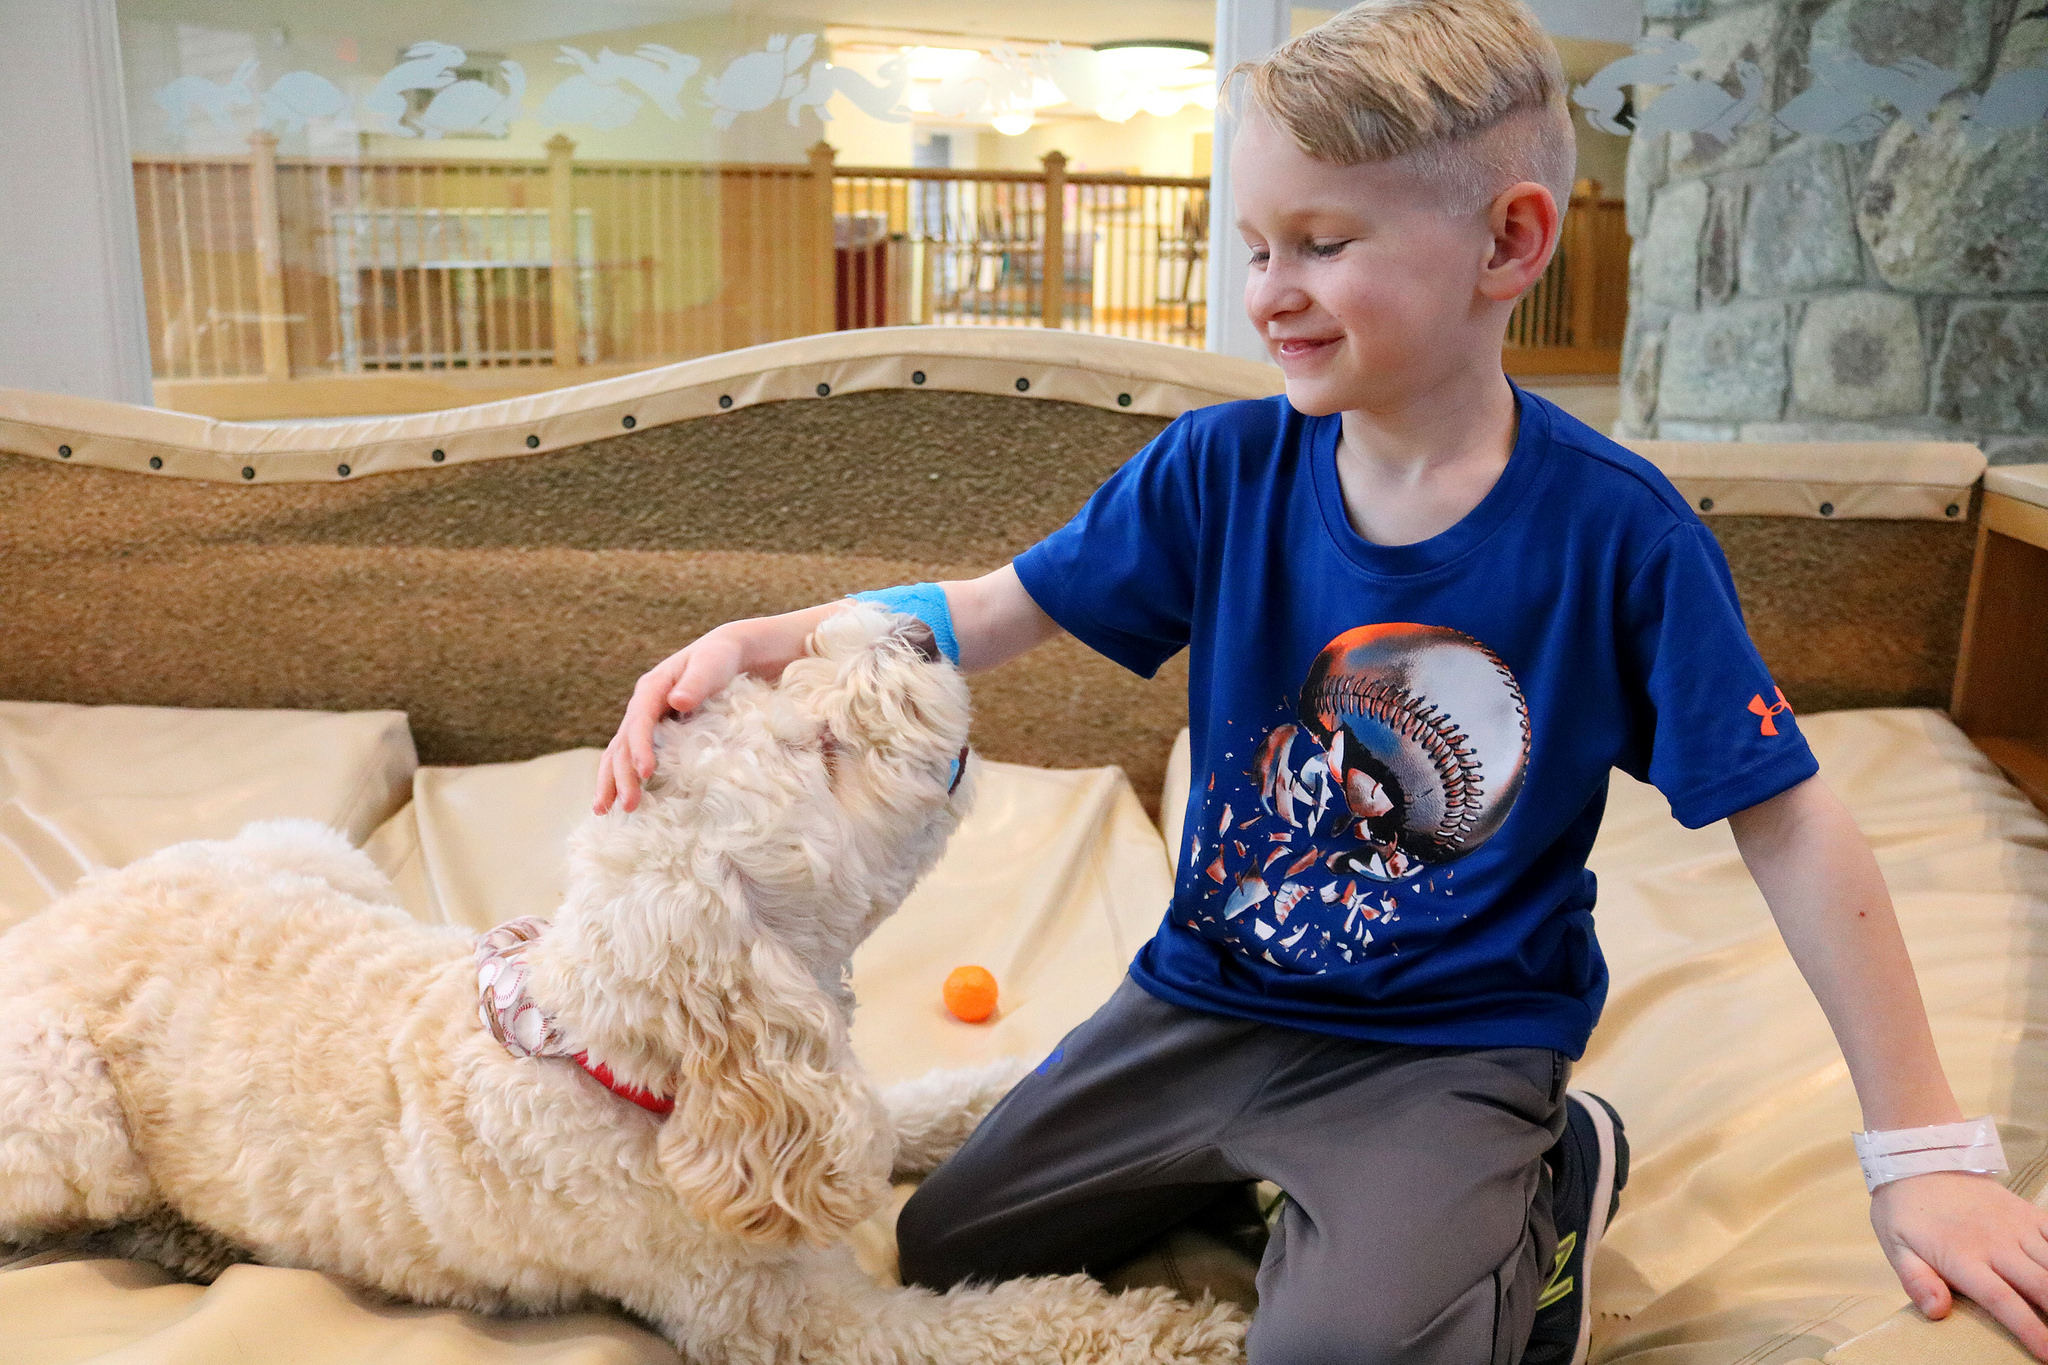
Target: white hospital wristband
[[1896, 1153]]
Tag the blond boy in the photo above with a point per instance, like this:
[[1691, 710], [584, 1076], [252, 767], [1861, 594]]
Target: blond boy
[[1427, 613]]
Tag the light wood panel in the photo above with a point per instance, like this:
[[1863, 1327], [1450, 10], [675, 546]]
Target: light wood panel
[[2001, 691]]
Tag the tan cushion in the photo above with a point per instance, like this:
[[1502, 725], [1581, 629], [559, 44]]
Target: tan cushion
[[481, 845], [99, 786], [1746, 1223], [129, 1313]]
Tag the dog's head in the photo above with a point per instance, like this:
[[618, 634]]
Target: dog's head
[[827, 795], [782, 823]]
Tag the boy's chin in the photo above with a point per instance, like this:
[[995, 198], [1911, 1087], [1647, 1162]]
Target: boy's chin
[[1313, 399]]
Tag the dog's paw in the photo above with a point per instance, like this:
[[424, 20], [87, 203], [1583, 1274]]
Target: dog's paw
[[311, 849], [935, 1113]]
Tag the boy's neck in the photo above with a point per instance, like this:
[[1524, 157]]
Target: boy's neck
[[1413, 469]]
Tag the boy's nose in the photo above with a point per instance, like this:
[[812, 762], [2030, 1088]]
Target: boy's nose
[[1271, 294]]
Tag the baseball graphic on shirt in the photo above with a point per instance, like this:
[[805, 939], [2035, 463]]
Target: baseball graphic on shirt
[[1411, 747]]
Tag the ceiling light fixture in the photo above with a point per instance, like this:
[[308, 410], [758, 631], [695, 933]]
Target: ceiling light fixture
[[1149, 58]]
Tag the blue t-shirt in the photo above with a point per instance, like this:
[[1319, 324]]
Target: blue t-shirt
[[1401, 752]]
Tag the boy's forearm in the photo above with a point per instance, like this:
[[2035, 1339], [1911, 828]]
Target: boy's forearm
[[1822, 882], [994, 619]]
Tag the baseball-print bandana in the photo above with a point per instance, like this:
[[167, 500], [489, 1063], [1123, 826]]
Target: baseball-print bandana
[[520, 1025]]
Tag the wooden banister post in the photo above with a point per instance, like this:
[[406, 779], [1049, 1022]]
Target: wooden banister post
[[1580, 269], [1053, 273], [270, 305], [824, 283], [563, 267]]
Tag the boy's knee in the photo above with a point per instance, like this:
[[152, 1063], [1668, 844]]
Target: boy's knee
[[928, 1250], [1377, 1326]]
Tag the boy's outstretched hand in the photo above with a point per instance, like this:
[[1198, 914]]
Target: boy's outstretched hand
[[679, 684], [1949, 1230]]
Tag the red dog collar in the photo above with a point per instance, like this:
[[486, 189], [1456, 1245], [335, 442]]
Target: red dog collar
[[519, 1024]]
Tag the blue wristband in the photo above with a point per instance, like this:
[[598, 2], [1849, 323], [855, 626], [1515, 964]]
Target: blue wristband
[[925, 601]]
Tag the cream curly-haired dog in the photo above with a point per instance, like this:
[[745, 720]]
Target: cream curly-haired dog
[[248, 1038]]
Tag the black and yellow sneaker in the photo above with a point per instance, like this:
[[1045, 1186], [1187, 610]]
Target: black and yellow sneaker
[[1588, 1167]]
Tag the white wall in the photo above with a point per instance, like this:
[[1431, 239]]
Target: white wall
[[71, 310]]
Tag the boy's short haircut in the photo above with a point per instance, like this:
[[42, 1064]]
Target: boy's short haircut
[[1469, 92]]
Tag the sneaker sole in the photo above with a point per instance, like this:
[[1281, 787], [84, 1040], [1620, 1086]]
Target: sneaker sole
[[1596, 1225]]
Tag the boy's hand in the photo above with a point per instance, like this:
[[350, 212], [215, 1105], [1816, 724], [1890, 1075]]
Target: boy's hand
[[1955, 1230], [994, 619], [679, 684]]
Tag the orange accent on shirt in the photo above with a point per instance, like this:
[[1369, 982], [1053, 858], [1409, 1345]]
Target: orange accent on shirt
[[1758, 706]]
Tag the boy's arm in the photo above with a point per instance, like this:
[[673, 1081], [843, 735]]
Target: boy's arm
[[1939, 1230], [994, 620]]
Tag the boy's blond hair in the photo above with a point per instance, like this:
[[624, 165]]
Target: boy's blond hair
[[1469, 92]]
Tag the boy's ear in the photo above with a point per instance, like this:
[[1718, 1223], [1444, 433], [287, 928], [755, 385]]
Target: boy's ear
[[1524, 221]]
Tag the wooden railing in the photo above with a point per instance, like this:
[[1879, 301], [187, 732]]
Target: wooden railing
[[296, 269], [944, 246]]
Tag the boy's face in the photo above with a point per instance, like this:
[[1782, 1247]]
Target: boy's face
[[1364, 288]]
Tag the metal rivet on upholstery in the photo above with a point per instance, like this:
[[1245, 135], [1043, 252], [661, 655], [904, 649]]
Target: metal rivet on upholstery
[[342, 470], [917, 376], [824, 390], [627, 422], [1023, 386], [1706, 504], [440, 455], [532, 442], [1951, 510], [156, 462], [1123, 400], [247, 472], [725, 400], [1827, 509], [64, 451]]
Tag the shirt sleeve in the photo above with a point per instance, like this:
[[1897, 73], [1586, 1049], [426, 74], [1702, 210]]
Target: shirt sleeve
[[1120, 577], [1715, 734]]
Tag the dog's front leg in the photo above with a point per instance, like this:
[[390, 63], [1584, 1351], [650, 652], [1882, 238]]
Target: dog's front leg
[[935, 1113], [815, 1307]]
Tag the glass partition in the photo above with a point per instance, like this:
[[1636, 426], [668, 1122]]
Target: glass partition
[[499, 197]]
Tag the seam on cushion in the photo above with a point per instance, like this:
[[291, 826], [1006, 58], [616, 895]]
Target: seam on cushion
[[1792, 1334], [363, 782]]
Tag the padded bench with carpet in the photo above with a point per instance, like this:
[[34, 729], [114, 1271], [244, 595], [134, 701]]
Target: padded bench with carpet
[[210, 623]]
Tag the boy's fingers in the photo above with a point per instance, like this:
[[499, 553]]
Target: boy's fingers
[[624, 780], [1928, 1290], [2018, 1269], [643, 713], [2014, 1313], [699, 677], [607, 785]]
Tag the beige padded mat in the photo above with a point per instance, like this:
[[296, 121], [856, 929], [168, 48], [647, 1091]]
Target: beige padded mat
[[1743, 1238], [99, 786]]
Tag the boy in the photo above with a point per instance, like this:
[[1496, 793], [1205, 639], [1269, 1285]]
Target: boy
[[1427, 613]]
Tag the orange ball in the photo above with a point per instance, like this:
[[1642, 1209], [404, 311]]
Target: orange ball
[[970, 993]]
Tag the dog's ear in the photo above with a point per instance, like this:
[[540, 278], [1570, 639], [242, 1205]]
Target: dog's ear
[[776, 1136]]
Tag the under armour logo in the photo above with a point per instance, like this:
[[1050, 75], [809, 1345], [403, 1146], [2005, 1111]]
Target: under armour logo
[[1760, 707]]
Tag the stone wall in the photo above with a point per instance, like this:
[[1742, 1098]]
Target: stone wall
[[1854, 284]]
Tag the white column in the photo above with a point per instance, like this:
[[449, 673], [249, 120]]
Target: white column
[[71, 311], [1245, 30]]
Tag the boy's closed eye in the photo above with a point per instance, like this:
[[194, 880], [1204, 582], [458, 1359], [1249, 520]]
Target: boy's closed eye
[[1320, 250]]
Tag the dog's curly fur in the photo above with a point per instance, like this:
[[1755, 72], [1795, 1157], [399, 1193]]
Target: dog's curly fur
[[245, 1044]]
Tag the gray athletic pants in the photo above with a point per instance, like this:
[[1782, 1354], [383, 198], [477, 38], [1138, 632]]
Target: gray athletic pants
[[1417, 1225]]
